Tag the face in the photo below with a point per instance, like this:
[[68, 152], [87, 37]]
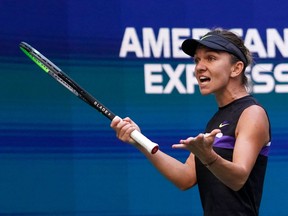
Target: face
[[213, 70]]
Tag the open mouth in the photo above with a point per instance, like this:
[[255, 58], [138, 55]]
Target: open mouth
[[204, 79]]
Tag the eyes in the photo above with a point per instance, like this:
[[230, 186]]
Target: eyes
[[208, 58]]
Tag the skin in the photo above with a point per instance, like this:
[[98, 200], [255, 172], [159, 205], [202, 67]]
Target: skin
[[252, 131]]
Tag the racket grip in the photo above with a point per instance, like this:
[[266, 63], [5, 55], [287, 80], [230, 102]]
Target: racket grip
[[150, 146]]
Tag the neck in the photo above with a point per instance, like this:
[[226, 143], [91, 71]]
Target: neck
[[227, 97]]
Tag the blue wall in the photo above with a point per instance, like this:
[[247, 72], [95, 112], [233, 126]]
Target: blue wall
[[58, 156]]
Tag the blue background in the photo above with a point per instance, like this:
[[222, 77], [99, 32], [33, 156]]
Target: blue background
[[58, 156]]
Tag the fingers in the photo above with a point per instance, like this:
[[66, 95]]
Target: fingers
[[200, 141], [124, 128], [188, 140], [215, 132], [183, 143], [115, 122], [179, 146]]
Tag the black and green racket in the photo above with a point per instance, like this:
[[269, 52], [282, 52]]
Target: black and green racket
[[71, 85]]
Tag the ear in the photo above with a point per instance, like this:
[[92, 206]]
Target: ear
[[237, 68]]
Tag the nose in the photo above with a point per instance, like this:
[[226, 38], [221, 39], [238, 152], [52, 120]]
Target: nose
[[200, 66]]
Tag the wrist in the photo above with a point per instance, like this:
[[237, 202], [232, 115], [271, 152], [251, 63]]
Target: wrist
[[212, 161]]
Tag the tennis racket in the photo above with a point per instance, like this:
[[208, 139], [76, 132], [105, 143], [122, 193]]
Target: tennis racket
[[50, 68]]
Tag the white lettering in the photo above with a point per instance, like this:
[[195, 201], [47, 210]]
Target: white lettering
[[177, 33], [164, 79], [191, 80], [130, 43], [261, 74], [152, 76], [174, 78], [274, 40], [281, 75], [199, 32], [254, 43], [156, 46], [168, 44]]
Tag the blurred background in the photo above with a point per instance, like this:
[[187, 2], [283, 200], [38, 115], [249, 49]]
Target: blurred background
[[59, 156]]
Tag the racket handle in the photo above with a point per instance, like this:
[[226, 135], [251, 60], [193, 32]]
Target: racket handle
[[146, 143], [150, 146]]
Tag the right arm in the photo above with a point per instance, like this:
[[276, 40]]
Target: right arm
[[183, 175]]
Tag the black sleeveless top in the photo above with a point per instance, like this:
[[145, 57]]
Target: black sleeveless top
[[216, 198]]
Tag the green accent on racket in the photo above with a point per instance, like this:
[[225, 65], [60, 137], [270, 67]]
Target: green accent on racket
[[41, 65], [81, 93]]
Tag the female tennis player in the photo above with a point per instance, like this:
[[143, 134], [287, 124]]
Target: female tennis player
[[228, 160]]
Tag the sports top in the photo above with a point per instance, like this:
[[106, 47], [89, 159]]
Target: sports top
[[216, 198]]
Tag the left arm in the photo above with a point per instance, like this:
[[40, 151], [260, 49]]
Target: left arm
[[252, 133]]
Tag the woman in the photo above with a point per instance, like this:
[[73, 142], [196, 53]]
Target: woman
[[228, 161]]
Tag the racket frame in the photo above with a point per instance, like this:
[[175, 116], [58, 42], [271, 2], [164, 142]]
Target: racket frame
[[61, 77]]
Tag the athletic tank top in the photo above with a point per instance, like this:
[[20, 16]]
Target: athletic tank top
[[216, 198]]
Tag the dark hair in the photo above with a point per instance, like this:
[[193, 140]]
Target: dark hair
[[239, 42]]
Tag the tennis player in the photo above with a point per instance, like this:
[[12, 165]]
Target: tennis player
[[228, 161]]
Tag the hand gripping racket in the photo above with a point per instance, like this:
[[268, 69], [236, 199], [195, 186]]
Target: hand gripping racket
[[71, 85]]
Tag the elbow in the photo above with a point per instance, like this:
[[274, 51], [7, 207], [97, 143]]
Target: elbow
[[237, 185], [185, 186], [237, 182]]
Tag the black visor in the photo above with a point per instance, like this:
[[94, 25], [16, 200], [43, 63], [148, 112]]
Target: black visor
[[213, 41]]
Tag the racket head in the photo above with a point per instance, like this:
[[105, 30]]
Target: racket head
[[50, 68], [43, 62]]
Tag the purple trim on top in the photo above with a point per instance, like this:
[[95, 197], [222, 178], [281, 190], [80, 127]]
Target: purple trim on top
[[265, 151], [228, 142], [224, 142]]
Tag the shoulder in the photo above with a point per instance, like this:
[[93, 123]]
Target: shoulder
[[248, 106], [254, 113], [254, 122]]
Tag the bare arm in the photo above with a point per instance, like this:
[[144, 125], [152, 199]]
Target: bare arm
[[181, 174], [252, 133]]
